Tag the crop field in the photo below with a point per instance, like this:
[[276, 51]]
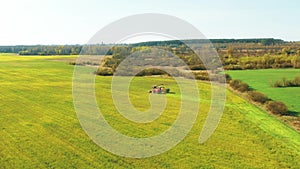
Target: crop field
[[260, 81], [39, 127]]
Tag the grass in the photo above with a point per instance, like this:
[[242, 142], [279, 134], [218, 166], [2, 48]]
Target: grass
[[260, 81], [39, 127]]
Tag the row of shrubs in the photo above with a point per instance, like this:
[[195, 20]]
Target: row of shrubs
[[200, 75], [286, 83], [107, 71], [276, 107], [256, 66], [216, 77]]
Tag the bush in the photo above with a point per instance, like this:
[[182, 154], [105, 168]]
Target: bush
[[234, 83], [72, 63], [258, 97], [297, 81], [249, 66], [277, 107], [105, 71], [151, 71], [232, 67], [239, 85], [277, 83], [227, 77], [289, 83], [243, 87], [201, 75], [198, 67]]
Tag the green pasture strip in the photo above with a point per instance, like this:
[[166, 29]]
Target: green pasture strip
[[260, 81]]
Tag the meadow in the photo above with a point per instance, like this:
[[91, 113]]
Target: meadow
[[260, 81], [39, 127]]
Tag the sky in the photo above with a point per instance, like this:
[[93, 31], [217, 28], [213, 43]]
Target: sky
[[47, 22]]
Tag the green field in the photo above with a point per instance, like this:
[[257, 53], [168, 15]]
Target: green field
[[39, 127], [260, 81]]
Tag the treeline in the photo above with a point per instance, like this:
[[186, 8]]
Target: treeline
[[235, 54], [52, 50], [266, 61], [101, 48], [13, 49], [177, 43], [263, 41], [42, 49], [57, 49]]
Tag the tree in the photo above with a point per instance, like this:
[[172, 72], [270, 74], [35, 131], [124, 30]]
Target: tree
[[296, 61], [286, 51], [230, 51]]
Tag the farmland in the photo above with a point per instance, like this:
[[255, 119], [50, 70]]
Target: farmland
[[260, 81], [39, 127]]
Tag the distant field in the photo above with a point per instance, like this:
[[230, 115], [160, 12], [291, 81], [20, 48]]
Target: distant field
[[39, 127], [260, 80]]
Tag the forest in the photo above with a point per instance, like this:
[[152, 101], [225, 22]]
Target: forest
[[235, 54]]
